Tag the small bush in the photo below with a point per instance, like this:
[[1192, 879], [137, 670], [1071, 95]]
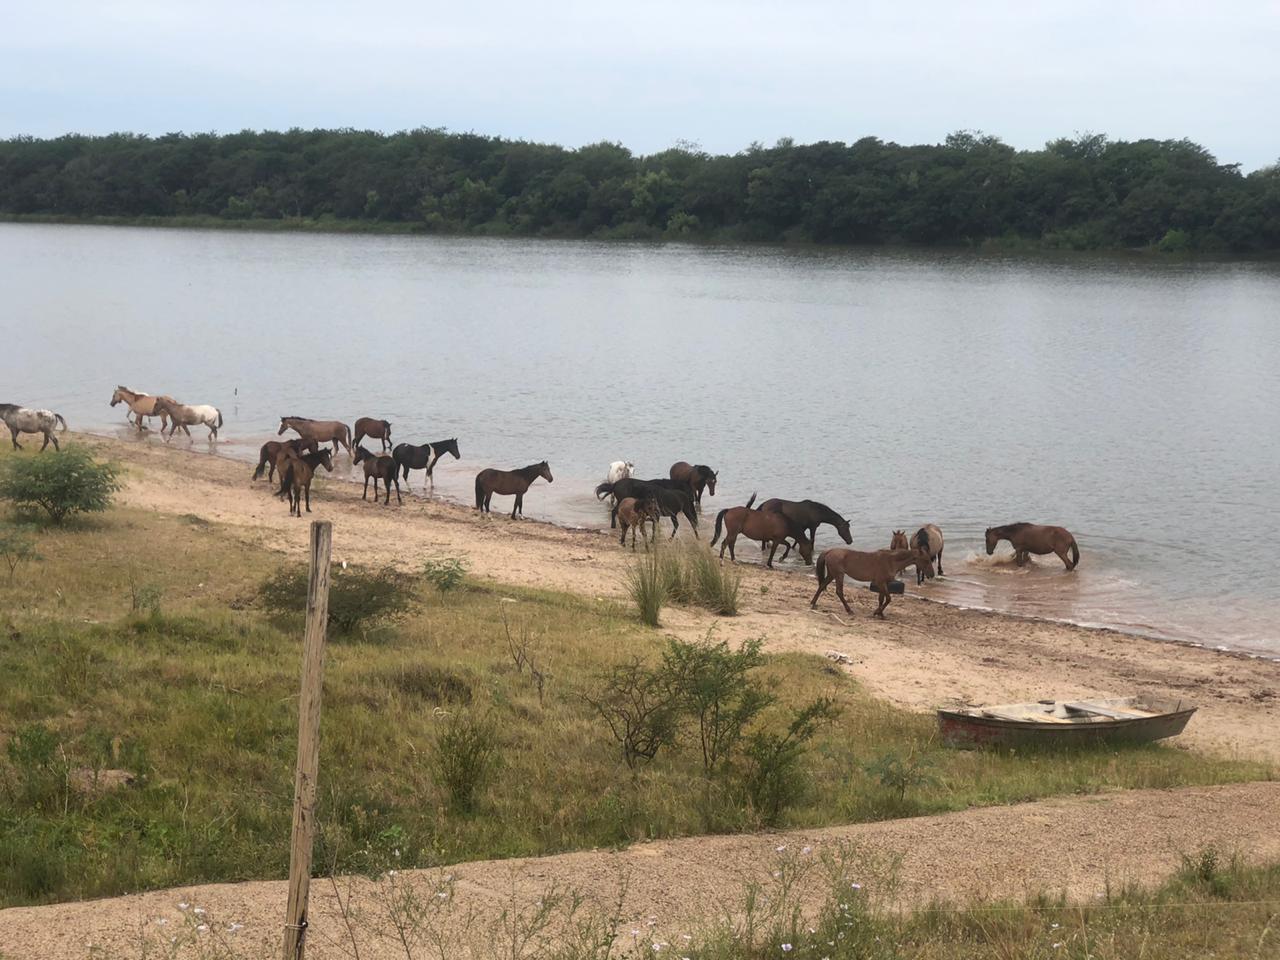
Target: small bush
[[16, 548], [356, 596], [901, 774], [61, 483], [445, 574], [773, 777], [648, 582], [640, 707], [464, 755], [145, 598], [1174, 241], [40, 768]]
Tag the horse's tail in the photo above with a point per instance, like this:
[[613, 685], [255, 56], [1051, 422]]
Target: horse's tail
[[719, 521], [1075, 554], [262, 464], [603, 490], [479, 493], [58, 418], [820, 567], [219, 413], [286, 478], [752, 500]]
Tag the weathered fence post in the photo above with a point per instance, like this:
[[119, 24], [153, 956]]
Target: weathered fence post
[[304, 786]]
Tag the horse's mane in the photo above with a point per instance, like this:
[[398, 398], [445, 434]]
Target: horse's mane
[[1013, 527], [307, 419], [702, 472], [922, 538], [828, 515]]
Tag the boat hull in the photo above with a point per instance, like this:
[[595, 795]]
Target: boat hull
[[968, 731]]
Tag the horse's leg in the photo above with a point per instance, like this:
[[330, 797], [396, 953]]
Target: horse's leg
[[613, 516], [516, 506], [396, 480], [675, 525], [308, 489], [46, 442], [16, 444], [822, 585], [785, 553], [732, 542], [623, 539], [365, 495], [1064, 556], [769, 563], [840, 591]]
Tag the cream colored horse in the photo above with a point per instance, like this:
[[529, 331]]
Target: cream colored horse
[[142, 405]]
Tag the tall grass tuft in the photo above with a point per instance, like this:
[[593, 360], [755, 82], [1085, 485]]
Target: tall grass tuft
[[694, 575], [649, 583]]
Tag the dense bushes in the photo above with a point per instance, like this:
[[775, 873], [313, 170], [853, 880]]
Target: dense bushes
[[1080, 192], [357, 596], [61, 483]]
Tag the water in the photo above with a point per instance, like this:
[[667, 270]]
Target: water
[[1135, 401]]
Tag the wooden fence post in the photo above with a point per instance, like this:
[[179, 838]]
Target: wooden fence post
[[304, 786]]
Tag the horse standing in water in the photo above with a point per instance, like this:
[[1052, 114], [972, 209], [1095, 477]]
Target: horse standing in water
[[374, 430], [142, 405], [296, 473], [508, 482], [878, 568], [183, 415], [272, 453], [379, 468], [672, 498], [409, 457], [25, 420], [927, 538], [697, 478], [809, 515], [1029, 538], [321, 431], [767, 527]]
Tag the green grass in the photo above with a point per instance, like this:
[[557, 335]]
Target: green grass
[[194, 690]]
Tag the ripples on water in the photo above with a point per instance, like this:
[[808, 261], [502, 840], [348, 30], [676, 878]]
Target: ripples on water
[[1134, 400]]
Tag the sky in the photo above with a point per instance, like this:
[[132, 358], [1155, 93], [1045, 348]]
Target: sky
[[651, 74]]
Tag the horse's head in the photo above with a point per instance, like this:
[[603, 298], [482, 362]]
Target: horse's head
[[284, 425], [544, 471], [806, 549], [710, 476], [992, 539], [451, 446], [117, 396], [899, 540], [386, 430], [326, 459], [923, 562], [648, 509], [361, 454], [846, 534]]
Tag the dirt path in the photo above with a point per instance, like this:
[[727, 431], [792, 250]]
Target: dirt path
[[1075, 846], [924, 656]]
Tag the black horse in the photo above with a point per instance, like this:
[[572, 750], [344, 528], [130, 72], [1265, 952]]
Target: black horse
[[808, 515], [409, 457], [673, 499]]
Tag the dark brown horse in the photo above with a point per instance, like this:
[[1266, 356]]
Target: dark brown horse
[[809, 515], [296, 473], [768, 527], [374, 430], [697, 477], [274, 451], [878, 568], [1029, 538], [378, 468], [506, 483], [321, 431]]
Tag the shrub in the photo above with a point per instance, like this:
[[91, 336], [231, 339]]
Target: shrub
[[16, 548], [693, 575], [1174, 241], [62, 483], [356, 596], [773, 778], [445, 574], [901, 774], [40, 767], [464, 755], [640, 708], [648, 582]]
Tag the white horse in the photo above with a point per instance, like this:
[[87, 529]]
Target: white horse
[[619, 470], [182, 415], [25, 420]]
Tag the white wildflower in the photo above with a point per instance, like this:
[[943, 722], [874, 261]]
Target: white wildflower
[[786, 948]]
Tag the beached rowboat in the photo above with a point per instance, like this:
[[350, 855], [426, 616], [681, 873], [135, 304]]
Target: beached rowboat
[[1065, 722]]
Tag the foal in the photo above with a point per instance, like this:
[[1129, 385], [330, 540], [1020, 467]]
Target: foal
[[297, 472], [378, 468], [633, 513]]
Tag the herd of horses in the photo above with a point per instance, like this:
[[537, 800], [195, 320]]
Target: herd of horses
[[635, 503]]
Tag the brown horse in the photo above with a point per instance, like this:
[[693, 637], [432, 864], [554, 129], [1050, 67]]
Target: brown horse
[[633, 513], [374, 430], [141, 405], [296, 474], [272, 454], [1028, 538], [378, 468], [878, 568], [928, 538], [698, 477], [508, 482], [767, 527], [321, 431]]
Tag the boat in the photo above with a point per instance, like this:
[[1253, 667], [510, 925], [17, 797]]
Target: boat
[[1065, 723]]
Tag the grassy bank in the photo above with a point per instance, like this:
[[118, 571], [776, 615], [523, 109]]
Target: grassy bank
[[137, 648]]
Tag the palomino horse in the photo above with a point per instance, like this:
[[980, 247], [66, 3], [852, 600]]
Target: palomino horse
[[809, 515], [878, 568], [273, 452], [1028, 538], [25, 420], [409, 457], [759, 525], [508, 482], [378, 468], [182, 415], [321, 431], [374, 430], [141, 405], [928, 538], [697, 478], [673, 499], [296, 473], [632, 514]]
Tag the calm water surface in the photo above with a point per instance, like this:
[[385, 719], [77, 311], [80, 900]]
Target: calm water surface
[[1136, 402]]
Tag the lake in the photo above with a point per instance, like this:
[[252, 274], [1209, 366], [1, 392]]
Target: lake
[[1134, 400]]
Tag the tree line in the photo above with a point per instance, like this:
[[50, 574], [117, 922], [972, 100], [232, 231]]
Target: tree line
[[1083, 192]]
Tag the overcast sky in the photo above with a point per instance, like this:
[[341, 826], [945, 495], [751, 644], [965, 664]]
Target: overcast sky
[[651, 73]]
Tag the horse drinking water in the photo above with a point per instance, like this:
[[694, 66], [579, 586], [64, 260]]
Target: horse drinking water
[[508, 482], [1029, 538], [767, 527], [809, 515], [927, 538]]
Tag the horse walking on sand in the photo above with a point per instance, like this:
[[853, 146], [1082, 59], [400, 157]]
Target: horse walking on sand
[[927, 538], [296, 473], [697, 477], [379, 468], [184, 415], [321, 431], [809, 515], [409, 457], [374, 430], [508, 482], [1029, 538], [633, 514], [878, 568], [272, 453], [141, 405], [673, 500], [765, 526], [21, 419]]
